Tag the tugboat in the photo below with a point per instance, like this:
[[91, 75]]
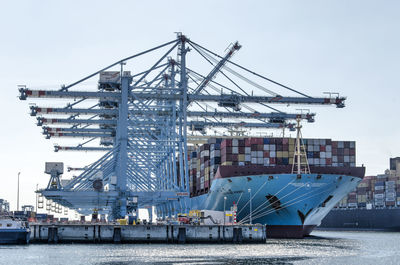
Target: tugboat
[[13, 231]]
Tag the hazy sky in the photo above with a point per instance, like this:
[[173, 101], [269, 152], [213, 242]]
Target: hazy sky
[[350, 47]]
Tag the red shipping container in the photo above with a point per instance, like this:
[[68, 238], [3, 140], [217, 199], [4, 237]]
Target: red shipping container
[[266, 154], [206, 183], [334, 152], [346, 151], [390, 203], [322, 148], [247, 142], [334, 144], [226, 142], [226, 150], [285, 141], [260, 147], [226, 158], [272, 160], [352, 152], [328, 161], [285, 148]]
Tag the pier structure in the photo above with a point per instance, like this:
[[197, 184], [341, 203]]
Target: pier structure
[[110, 233], [144, 120]]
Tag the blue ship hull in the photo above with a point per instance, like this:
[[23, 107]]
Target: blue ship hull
[[289, 206], [14, 236]]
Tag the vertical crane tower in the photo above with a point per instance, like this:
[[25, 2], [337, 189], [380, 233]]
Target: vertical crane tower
[[145, 122]]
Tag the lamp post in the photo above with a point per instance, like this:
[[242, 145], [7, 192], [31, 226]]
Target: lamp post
[[251, 219], [224, 208], [18, 192]]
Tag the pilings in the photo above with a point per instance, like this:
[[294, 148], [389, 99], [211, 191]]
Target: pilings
[[182, 234]]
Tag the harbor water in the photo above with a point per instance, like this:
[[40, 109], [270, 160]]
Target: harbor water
[[324, 247]]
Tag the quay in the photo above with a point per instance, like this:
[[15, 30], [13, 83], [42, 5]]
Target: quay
[[112, 233]]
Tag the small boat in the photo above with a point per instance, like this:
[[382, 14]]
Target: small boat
[[13, 230]]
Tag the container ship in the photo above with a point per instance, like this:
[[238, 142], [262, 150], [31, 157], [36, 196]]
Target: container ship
[[374, 204], [271, 183]]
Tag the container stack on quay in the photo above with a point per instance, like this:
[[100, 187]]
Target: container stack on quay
[[381, 191], [269, 152]]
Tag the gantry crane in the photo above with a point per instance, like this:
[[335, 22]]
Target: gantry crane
[[141, 122]]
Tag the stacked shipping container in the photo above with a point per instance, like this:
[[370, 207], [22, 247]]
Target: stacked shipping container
[[205, 160], [378, 191]]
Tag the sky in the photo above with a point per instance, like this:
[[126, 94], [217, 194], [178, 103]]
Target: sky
[[349, 47]]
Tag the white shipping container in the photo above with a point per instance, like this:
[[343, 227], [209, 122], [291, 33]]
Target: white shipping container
[[322, 155], [378, 196], [310, 148], [340, 144], [390, 183], [322, 161], [334, 159], [254, 160], [328, 148], [379, 187], [272, 154], [316, 161], [247, 150], [235, 150], [335, 164], [241, 163], [352, 159], [352, 144], [260, 161], [390, 195], [260, 154], [352, 164], [205, 153], [202, 167], [328, 154], [266, 147], [352, 204], [311, 161], [215, 153], [346, 159], [235, 142], [266, 161], [272, 147], [247, 158], [253, 153], [316, 148]]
